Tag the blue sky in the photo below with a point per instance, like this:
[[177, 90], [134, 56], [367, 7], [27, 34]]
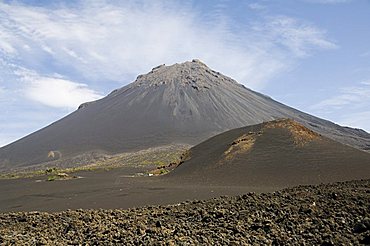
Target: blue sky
[[313, 55]]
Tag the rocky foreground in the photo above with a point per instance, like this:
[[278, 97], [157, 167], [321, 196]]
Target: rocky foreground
[[334, 214]]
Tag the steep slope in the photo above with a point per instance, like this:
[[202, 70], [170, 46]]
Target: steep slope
[[184, 103], [278, 153]]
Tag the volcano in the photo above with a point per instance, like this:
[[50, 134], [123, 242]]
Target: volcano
[[280, 153], [180, 104]]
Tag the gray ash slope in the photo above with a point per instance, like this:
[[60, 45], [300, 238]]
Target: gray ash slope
[[184, 103], [279, 153]]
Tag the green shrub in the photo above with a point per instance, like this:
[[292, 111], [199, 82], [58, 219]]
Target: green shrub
[[52, 178]]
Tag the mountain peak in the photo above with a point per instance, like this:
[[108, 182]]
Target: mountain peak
[[193, 73], [184, 103]]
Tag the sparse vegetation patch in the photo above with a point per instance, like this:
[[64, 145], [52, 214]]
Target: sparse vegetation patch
[[148, 159]]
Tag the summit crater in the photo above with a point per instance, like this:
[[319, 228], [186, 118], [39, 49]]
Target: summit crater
[[194, 74]]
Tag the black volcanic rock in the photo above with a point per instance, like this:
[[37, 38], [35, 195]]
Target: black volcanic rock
[[278, 218], [184, 103], [280, 153]]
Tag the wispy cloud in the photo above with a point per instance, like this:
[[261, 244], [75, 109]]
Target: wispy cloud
[[257, 6], [355, 96], [299, 37], [96, 42], [55, 91], [105, 41], [5, 43], [352, 103]]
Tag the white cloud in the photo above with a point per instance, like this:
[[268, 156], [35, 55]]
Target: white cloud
[[257, 6], [111, 41], [349, 107], [366, 82], [5, 45], [54, 91], [355, 96], [298, 37], [99, 41]]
